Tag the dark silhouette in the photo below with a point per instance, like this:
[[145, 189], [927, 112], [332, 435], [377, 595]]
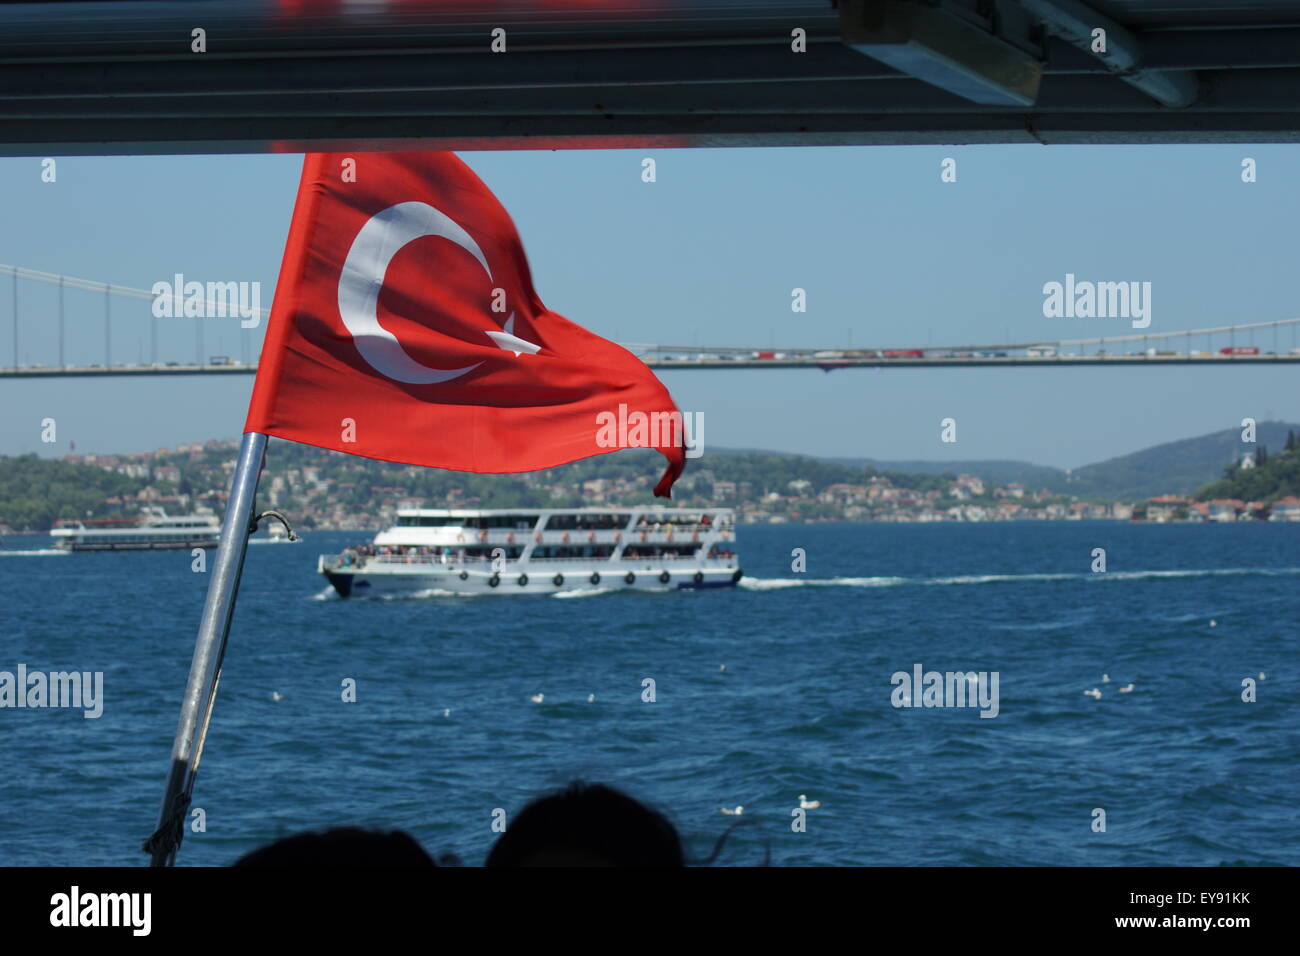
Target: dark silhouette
[[587, 825], [341, 847]]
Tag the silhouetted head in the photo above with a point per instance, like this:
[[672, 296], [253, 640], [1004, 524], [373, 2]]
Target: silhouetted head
[[343, 847], [587, 825]]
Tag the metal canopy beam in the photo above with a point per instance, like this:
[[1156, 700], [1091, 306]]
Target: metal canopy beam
[[119, 77], [1121, 52], [949, 49]]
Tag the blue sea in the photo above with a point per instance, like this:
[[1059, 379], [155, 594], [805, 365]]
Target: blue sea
[[777, 688]]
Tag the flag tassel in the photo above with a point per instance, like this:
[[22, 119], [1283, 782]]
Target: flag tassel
[[209, 650]]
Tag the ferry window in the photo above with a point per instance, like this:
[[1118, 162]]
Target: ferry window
[[488, 552], [587, 522]]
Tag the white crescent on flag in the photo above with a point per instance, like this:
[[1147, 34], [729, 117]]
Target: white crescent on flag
[[362, 279]]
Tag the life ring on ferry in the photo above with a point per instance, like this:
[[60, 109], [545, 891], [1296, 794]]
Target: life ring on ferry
[[629, 578], [663, 577], [523, 580], [595, 577], [464, 575], [494, 580], [699, 577], [558, 580]]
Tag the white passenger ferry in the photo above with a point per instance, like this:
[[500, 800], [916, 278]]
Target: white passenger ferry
[[154, 530], [543, 551]]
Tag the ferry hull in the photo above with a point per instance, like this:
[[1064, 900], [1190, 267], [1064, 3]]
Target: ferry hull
[[140, 545], [454, 581]]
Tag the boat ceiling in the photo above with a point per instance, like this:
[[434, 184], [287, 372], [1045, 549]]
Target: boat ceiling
[[122, 77]]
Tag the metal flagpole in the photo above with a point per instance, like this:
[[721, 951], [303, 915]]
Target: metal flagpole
[[209, 649]]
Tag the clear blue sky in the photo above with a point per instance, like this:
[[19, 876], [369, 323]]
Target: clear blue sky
[[709, 254]]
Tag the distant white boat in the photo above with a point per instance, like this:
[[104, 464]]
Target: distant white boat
[[541, 551], [154, 530], [275, 535]]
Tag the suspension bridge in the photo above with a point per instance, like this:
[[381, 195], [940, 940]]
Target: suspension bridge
[[1254, 344]]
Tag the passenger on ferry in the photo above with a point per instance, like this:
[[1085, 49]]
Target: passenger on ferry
[[341, 847], [588, 825]]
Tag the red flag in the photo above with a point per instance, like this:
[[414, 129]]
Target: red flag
[[405, 327]]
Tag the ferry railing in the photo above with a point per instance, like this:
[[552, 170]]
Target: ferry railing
[[336, 563], [597, 535]]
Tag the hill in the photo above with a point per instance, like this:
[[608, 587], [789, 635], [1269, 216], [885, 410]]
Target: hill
[[1178, 467], [34, 492], [997, 471], [331, 487], [1275, 476]]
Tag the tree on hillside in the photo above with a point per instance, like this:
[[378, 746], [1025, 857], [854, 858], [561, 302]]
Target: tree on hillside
[[34, 492], [1273, 477]]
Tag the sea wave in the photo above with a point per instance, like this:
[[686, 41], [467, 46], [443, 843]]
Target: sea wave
[[583, 592], [998, 578], [777, 584], [1204, 573]]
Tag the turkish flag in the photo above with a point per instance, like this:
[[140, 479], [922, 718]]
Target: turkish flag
[[405, 327]]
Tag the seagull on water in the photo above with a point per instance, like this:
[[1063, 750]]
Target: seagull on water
[[537, 698], [591, 698], [1095, 694], [1105, 678], [722, 668], [1128, 689], [732, 813], [806, 804], [446, 712], [276, 695], [1261, 676], [1214, 623]]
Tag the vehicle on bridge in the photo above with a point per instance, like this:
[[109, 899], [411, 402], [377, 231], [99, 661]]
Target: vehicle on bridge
[[904, 353], [1239, 350]]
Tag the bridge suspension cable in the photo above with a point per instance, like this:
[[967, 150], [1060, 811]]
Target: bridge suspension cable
[[90, 285]]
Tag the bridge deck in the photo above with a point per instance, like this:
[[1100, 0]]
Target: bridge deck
[[715, 363]]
